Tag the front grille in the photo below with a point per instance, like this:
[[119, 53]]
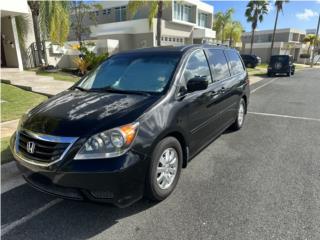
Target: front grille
[[44, 151]]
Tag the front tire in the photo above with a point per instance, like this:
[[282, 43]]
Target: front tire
[[164, 170], [242, 109]]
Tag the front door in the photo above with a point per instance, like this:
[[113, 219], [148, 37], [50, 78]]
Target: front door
[[202, 105]]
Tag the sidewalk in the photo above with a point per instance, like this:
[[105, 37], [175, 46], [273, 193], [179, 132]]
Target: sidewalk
[[255, 79], [8, 128], [32, 82]]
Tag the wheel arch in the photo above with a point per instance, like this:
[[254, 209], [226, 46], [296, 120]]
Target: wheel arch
[[180, 136]]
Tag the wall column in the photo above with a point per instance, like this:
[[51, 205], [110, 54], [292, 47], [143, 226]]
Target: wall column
[[16, 43]]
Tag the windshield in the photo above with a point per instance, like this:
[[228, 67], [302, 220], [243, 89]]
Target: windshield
[[143, 73]]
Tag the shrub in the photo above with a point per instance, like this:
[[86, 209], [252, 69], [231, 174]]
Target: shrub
[[81, 64], [88, 60], [304, 55]]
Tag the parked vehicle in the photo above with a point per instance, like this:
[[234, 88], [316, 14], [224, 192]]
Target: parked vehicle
[[281, 64], [251, 61], [128, 127]]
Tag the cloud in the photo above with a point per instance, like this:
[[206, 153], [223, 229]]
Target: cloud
[[306, 15], [318, 1], [271, 7]]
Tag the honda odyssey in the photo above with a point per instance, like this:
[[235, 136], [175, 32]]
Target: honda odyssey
[[128, 127]]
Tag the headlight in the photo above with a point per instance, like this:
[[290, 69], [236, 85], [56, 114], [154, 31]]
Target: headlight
[[110, 143]]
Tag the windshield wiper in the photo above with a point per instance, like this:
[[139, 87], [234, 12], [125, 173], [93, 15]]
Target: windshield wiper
[[116, 90], [80, 88]]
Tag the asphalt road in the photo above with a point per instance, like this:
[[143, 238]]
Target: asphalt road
[[262, 182]]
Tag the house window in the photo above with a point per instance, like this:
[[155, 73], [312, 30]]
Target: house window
[[121, 14], [202, 19], [182, 12], [97, 13], [106, 11]]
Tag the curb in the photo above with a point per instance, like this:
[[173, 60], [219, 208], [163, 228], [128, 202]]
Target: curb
[[26, 88]]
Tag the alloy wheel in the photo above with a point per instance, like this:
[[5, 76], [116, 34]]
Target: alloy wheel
[[167, 168], [241, 113]]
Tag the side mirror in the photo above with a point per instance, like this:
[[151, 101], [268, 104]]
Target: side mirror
[[197, 83]]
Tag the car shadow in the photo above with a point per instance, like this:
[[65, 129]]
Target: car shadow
[[65, 220]]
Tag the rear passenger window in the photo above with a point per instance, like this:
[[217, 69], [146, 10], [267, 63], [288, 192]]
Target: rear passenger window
[[235, 63], [218, 64], [197, 65]]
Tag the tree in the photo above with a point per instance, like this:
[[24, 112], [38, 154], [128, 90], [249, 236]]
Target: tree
[[279, 6], [22, 24], [310, 38], [254, 12], [81, 11], [156, 9], [55, 20], [233, 31], [50, 21], [35, 11], [220, 22]]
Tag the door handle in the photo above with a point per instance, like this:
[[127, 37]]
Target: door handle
[[222, 90]]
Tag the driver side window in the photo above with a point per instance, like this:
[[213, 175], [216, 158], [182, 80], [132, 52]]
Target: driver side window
[[197, 66]]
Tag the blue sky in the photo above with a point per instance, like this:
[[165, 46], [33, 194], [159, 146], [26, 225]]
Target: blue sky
[[296, 14]]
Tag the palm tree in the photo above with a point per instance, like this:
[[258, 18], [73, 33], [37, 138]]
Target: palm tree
[[310, 38], [35, 11], [233, 31], [55, 20], [221, 20], [254, 13], [279, 6], [156, 9], [53, 17]]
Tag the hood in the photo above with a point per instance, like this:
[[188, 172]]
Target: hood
[[78, 113]]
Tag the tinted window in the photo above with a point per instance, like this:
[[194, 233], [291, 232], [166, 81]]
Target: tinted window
[[282, 59], [218, 64], [149, 73], [235, 63], [197, 66]]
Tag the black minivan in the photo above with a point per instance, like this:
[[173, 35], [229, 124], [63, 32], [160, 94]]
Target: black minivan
[[127, 128]]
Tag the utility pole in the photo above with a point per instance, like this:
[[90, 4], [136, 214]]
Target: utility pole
[[315, 42]]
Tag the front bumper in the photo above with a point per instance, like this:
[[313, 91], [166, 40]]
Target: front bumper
[[119, 180]]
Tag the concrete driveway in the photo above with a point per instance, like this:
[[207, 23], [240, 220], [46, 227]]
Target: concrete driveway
[[262, 182]]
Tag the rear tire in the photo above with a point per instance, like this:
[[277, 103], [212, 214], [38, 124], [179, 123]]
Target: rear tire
[[164, 173], [241, 113]]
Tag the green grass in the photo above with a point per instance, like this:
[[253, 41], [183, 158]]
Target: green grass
[[60, 75], [6, 155], [260, 70], [17, 101]]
